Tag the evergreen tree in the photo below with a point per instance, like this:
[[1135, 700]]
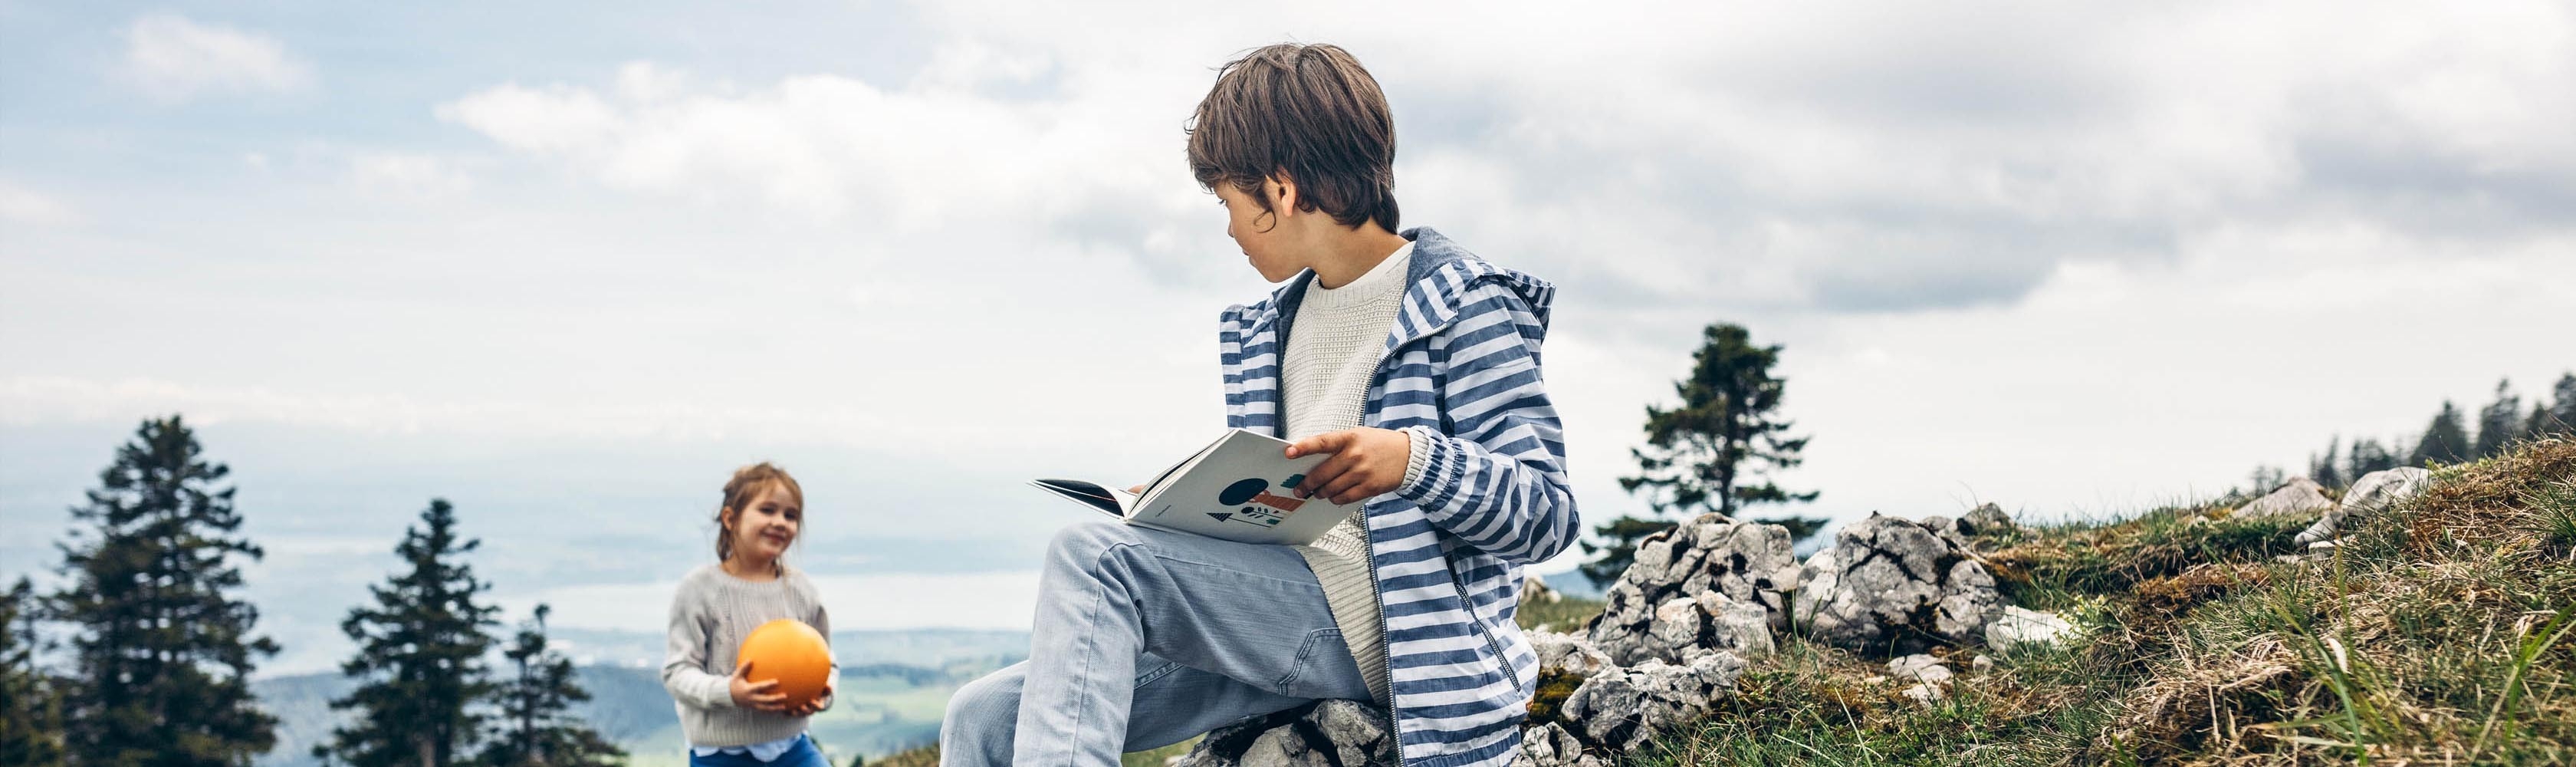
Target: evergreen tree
[[2556, 418], [2446, 440], [161, 652], [31, 716], [2500, 422], [1715, 451], [537, 727], [420, 650], [2324, 468], [2368, 455]]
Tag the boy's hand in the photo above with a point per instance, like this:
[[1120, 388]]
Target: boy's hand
[[811, 707], [1365, 462], [758, 696]]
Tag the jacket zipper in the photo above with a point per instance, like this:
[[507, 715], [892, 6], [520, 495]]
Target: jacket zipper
[[1377, 594]]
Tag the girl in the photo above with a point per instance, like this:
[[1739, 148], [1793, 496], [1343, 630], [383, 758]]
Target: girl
[[730, 720]]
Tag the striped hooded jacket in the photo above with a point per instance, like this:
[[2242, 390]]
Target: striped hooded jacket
[[1460, 372]]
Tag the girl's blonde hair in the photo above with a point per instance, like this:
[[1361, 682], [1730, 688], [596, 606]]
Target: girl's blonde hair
[[745, 487]]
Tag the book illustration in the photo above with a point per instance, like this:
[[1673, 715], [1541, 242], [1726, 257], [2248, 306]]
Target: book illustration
[[1267, 508]]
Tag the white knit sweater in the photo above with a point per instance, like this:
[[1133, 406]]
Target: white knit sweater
[[1333, 351]]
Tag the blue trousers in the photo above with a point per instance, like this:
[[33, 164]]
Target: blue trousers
[[803, 754], [1144, 638]]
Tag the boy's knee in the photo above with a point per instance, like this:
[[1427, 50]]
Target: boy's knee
[[1080, 544], [991, 696]]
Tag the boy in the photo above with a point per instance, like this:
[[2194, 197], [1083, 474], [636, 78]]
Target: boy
[[1415, 365]]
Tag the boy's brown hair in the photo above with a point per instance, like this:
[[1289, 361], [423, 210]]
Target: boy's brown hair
[[1310, 112]]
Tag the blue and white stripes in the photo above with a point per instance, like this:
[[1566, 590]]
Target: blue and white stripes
[[1461, 374]]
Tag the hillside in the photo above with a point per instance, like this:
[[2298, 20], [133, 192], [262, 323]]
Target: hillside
[[2434, 634], [2427, 623]]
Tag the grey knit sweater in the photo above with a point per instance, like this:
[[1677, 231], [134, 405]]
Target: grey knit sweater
[[711, 612]]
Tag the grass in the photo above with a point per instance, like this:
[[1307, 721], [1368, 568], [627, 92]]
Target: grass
[[2442, 632]]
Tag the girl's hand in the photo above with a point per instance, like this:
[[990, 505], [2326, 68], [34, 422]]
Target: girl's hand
[[1365, 462], [814, 706], [758, 696]]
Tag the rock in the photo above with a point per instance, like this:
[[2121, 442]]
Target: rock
[[1930, 678], [1568, 654], [2301, 497], [1890, 583], [1330, 733], [2373, 493], [1535, 591], [1919, 668], [1549, 745], [2017, 626], [1748, 564], [1988, 519], [1983, 662], [1624, 709]]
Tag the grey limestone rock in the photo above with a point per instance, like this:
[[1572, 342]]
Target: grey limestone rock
[[2302, 496], [1623, 709], [2373, 493], [1895, 585], [1331, 733], [1650, 611], [2017, 626], [1988, 519]]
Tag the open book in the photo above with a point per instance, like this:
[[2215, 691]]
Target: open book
[[1240, 488]]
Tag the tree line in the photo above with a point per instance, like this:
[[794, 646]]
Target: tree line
[[2448, 438], [142, 656]]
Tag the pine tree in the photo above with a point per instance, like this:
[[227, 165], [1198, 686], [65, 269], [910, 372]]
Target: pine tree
[[161, 652], [2558, 417], [2368, 455], [420, 650], [2324, 468], [537, 728], [2500, 422], [2445, 440], [1715, 451], [31, 715]]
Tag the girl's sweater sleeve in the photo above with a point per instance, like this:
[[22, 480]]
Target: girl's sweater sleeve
[[1494, 475], [684, 665]]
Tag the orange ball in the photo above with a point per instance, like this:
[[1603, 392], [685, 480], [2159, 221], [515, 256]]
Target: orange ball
[[791, 652]]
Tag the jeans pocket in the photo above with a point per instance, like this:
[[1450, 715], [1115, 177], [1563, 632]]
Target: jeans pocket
[[1322, 646]]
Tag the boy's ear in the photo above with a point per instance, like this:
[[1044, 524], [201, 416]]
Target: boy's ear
[[1282, 189]]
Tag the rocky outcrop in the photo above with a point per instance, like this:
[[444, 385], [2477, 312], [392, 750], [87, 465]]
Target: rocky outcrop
[[1708, 584], [2373, 493], [1331, 733], [1624, 708], [2299, 498], [1895, 585], [1588, 704]]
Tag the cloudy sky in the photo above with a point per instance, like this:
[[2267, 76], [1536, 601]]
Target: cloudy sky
[[567, 264]]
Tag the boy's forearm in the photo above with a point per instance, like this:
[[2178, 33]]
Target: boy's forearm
[[1529, 516]]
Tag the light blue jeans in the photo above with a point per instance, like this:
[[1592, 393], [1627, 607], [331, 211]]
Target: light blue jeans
[[1144, 638]]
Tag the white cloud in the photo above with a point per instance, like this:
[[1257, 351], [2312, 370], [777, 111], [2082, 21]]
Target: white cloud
[[409, 175], [28, 207], [172, 59]]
